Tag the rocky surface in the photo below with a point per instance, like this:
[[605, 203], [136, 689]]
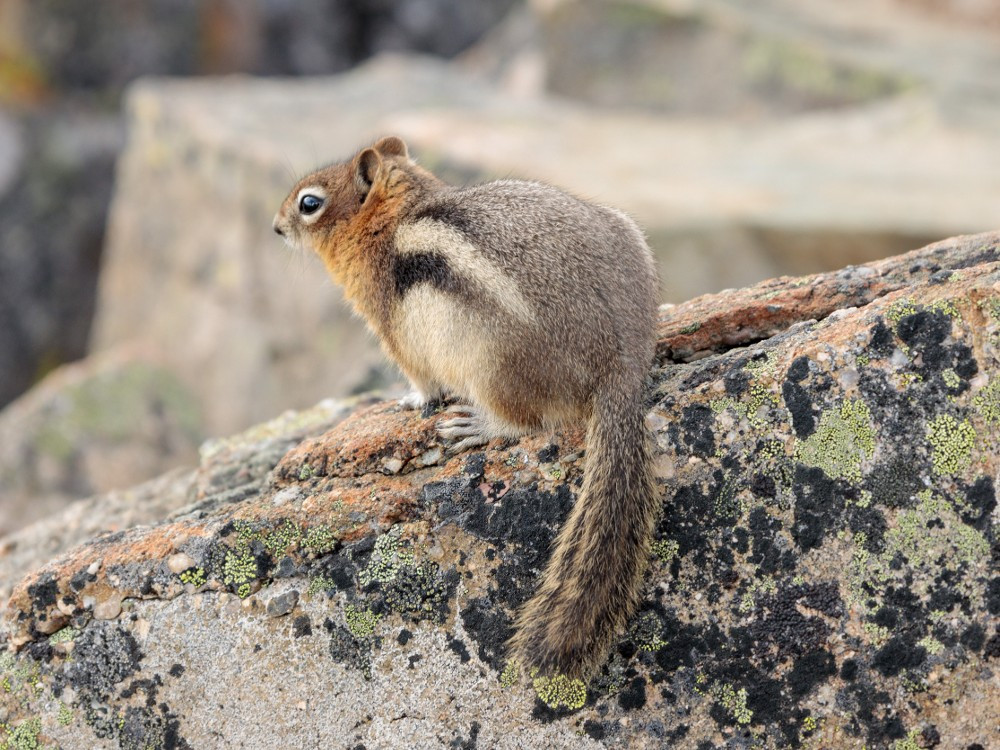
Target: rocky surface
[[105, 423], [771, 57], [824, 573]]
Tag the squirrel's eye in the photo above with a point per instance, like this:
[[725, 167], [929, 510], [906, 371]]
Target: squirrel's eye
[[309, 204]]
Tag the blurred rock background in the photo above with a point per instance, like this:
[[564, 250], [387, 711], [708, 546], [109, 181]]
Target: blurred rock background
[[749, 139]]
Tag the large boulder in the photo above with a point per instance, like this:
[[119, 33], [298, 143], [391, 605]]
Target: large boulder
[[104, 423], [768, 59], [823, 574]]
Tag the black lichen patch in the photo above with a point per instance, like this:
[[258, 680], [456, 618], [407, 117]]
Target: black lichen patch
[[548, 454], [44, 592], [346, 649], [993, 596], [340, 569], [819, 504], [809, 671], [973, 637], [103, 655], [596, 730], [782, 628], [871, 522], [895, 482], [767, 555], [470, 742], [881, 342], [301, 626], [459, 648], [176, 670], [81, 578], [800, 406], [150, 728], [490, 627], [521, 525], [419, 592], [697, 422], [982, 502], [798, 370], [925, 333], [898, 655], [633, 696]]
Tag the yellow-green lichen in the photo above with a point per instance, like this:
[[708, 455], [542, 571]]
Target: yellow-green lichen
[[987, 402], [361, 622], [647, 632], [843, 440], [22, 737], [561, 691], [898, 310], [239, 570], [735, 702], [914, 534], [932, 644], [758, 586], [287, 534], [770, 449], [809, 725], [909, 742], [951, 444], [865, 500], [388, 557], [320, 539], [319, 584], [749, 407], [951, 378], [946, 306], [689, 329], [878, 634], [665, 549], [762, 366], [862, 360], [511, 674], [65, 715], [195, 576], [64, 635]]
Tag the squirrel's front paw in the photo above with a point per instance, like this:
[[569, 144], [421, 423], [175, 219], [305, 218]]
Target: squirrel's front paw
[[428, 405], [413, 400], [465, 432]]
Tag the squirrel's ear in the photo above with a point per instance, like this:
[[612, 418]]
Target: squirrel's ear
[[392, 146], [366, 168]]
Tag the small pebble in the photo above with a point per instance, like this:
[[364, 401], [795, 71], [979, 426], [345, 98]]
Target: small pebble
[[109, 609], [282, 604], [392, 465], [179, 563]]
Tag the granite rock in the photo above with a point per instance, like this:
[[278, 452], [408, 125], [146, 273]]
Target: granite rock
[[824, 572]]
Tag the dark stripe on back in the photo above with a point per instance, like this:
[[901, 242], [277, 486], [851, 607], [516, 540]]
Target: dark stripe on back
[[450, 214], [423, 268]]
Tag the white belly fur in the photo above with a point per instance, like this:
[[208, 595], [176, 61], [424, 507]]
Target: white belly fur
[[445, 340]]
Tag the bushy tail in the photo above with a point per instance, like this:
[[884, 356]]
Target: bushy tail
[[591, 584]]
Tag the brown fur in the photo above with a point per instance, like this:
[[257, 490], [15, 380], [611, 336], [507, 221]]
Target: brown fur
[[537, 309]]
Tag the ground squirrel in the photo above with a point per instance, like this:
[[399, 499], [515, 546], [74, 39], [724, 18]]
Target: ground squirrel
[[535, 308]]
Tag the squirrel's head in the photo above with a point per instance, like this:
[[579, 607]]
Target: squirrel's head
[[324, 200]]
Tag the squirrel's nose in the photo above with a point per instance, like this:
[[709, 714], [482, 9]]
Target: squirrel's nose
[[276, 228]]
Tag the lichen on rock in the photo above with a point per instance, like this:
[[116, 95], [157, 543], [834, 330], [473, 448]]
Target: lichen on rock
[[823, 572]]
